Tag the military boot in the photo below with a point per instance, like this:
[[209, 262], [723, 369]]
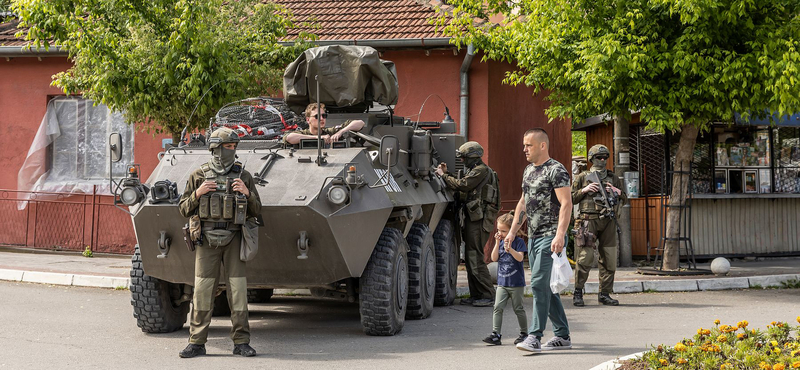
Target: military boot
[[606, 299], [577, 298], [244, 349], [193, 350]]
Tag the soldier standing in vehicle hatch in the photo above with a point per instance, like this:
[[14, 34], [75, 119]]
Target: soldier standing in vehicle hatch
[[595, 223], [220, 212], [479, 189]]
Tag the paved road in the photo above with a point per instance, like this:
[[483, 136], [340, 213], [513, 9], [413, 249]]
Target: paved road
[[54, 327]]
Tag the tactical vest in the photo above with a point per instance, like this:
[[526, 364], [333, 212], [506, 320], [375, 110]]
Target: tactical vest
[[483, 202], [223, 204], [588, 204]]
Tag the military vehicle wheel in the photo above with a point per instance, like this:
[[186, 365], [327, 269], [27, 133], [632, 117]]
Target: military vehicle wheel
[[421, 272], [384, 285], [153, 300], [221, 307], [446, 264], [259, 295]]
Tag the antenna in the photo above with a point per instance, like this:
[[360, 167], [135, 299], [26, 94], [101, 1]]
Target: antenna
[[320, 159]]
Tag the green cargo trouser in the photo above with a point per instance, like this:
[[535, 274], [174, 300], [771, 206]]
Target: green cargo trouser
[[206, 280], [606, 232], [500, 300], [480, 282], [545, 303]]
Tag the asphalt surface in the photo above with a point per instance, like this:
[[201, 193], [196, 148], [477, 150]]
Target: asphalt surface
[[59, 327]]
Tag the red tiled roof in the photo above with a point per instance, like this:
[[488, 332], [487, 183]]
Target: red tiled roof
[[363, 19], [7, 31], [336, 19]]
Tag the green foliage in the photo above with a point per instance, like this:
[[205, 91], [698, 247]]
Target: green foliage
[[729, 347], [579, 143], [87, 252], [155, 59], [791, 284], [688, 62]]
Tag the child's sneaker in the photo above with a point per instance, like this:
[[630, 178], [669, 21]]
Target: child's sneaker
[[557, 343], [493, 339], [522, 336], [530, 344]]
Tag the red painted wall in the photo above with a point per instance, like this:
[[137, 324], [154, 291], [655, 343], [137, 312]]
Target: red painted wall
[[24, 88], [512, 110]]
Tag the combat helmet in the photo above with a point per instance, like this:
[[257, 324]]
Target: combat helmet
[[221, 136], [598, 149], [471, 149]]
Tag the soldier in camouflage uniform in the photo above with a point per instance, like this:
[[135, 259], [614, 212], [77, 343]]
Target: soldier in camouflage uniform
[[547, 205], [316, 118], [480, 195], [595, 223], [205, 197]]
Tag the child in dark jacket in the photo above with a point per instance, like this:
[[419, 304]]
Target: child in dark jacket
[[510, 280]]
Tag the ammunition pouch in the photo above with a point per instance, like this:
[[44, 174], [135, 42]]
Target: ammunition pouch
[[584, 236], [187, 238], [474, 210], [489, 216]]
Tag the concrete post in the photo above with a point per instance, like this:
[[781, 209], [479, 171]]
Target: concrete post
[[622, 164]]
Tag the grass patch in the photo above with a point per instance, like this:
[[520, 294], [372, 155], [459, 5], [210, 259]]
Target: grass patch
[[791, 284]]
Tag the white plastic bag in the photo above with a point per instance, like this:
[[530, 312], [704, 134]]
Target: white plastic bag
[[560, 273]]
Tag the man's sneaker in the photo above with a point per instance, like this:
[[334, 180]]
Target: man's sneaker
[[486, 302], [557, 343], [530, 344], [493, 338], [193, 350], [467, 301], [244, 349], [521, 338], [606, 299]]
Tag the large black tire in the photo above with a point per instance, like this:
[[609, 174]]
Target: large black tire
[[152, 300], [259, 295], [221, 306], [446, 263], [421, 272], [384, 285]]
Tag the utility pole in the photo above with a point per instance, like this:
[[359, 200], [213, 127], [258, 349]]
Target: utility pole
[[622, 164]]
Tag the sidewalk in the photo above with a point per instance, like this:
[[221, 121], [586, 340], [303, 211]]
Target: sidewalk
[[112, 271]]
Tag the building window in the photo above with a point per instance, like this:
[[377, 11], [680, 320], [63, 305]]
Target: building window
[[787, 159], [79, 148]]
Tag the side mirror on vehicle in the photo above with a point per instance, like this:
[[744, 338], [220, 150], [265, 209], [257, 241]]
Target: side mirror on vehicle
[[389, 151], [115, 147]]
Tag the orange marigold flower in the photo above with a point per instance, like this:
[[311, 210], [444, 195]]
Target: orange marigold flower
[[683, 361], [778, 367], [680, 347], [740, 336], [716, 322], [796, 365], [700, 331], [774, 322], [798, 319], [722, 338], [706, 332], [742, 324], [765, 366], [663, 362], [723, 327]]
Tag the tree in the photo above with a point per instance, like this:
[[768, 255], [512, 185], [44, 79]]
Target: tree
[[156, 59], [682, 63]]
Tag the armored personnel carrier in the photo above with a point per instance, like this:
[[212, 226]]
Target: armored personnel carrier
[[365, 219]]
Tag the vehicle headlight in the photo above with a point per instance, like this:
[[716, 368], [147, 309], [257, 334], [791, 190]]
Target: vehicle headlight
[[132, 192], [337, 194]]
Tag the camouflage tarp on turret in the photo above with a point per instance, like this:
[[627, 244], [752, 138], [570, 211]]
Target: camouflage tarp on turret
[[349, 77]]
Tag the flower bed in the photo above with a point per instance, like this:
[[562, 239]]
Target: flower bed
[[726, 347]]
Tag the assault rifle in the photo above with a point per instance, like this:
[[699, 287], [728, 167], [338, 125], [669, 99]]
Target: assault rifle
[[608, 201]]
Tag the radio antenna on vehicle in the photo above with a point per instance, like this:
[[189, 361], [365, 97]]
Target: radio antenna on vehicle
[[320, 159]]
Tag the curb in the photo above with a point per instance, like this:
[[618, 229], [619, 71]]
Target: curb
[[684, 285], [614, 364]]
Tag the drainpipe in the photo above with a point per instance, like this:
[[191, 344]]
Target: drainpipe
[[464, 95]]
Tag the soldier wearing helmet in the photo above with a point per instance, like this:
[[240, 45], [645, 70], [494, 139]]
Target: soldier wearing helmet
[[210, 199], [593, 224], [479, 193]]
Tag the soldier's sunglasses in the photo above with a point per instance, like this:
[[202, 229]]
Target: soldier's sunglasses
[[324, 115], [602, 157]]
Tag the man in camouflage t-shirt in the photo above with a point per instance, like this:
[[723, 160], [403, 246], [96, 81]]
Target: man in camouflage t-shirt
[[547, 203]]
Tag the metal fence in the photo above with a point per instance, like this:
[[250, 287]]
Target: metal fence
[[58, 221]]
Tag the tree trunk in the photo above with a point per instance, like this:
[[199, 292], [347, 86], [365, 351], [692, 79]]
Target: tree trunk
[[176, 138], [680, 190]]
